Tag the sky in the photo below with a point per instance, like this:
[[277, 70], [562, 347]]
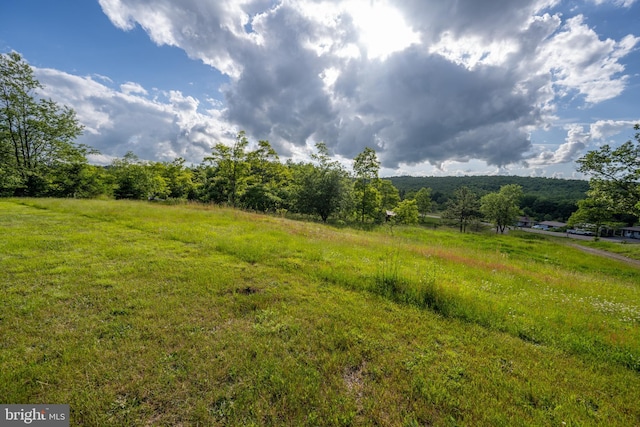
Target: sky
[[436, 88]]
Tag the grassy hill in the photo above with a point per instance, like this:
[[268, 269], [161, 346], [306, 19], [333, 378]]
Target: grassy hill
[[139, 314]]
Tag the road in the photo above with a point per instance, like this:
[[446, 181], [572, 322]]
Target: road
[[594, 251], [580, 237]]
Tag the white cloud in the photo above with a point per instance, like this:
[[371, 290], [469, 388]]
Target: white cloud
[[162, 128], [424, 82], [622, 3], [604, 129], [131, 87], [581, 62], [581, 138], [207, 31]]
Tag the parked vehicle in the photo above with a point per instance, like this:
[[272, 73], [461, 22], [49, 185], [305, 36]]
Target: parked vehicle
[[580, 232]]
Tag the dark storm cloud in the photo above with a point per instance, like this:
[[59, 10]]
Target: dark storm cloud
[[428, 108], [490, 19], [412, 107], [280, 93], [485, 74]]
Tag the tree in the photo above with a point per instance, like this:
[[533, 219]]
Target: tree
[[79, 180], [389, 195], [463, 208], [366, 167], [407, 212], [615, 175], [36, 135], [231, 170], [268, 180], [502, 208], [592, 212], [136, 179], [178, 178], [320, 187], [423, 201], [264, 163]]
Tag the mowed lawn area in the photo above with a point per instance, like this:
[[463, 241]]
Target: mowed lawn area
[[142, 314]]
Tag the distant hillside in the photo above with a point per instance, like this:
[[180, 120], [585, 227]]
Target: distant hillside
[[549, 188], [545, 198]]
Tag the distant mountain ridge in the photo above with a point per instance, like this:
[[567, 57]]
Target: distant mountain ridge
[[548, 188], [544, 198]]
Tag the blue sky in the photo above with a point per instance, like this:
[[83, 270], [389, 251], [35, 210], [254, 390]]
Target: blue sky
[[436, 88]]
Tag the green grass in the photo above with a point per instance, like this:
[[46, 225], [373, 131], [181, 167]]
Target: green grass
[[144, 314], [630, 250]]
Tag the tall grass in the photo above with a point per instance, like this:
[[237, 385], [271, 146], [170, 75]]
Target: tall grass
[[141, 314]]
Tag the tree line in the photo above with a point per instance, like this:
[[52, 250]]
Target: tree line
[[40, 158], [544, 199], [613, 199]]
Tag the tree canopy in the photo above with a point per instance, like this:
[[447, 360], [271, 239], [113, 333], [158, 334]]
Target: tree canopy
[[502, 208], [231, 169], [615, 175], [37, 136], [423, 201], [591, 213], [39, 157], [320, 187], [365, 168], [463, 208]]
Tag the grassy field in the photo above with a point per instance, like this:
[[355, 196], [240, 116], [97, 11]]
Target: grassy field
[[139, 314], [630, 250]]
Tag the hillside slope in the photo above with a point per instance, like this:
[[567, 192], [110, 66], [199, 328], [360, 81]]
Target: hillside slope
[[142, 314]]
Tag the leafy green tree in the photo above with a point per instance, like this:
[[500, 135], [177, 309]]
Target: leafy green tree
[[423, 201], [136, 179], [463, 208], [231, 171], [320, 187], [366, 167], [9, 181], [615, 175], [502, 208], [79, 180], [407, 212], [389, 195], [592, 211], [179, 179], [264, 163], [36, 135], [268, 187]]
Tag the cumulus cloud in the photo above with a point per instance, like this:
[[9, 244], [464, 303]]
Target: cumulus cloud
[[164, 127], [579, 139], [575, 142], [132, 87], [622, 3], [580, 61], [602, 130], [468, 81]]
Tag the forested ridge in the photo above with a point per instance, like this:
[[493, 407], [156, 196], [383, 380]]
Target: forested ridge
[[543, 198], [551, 188]]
